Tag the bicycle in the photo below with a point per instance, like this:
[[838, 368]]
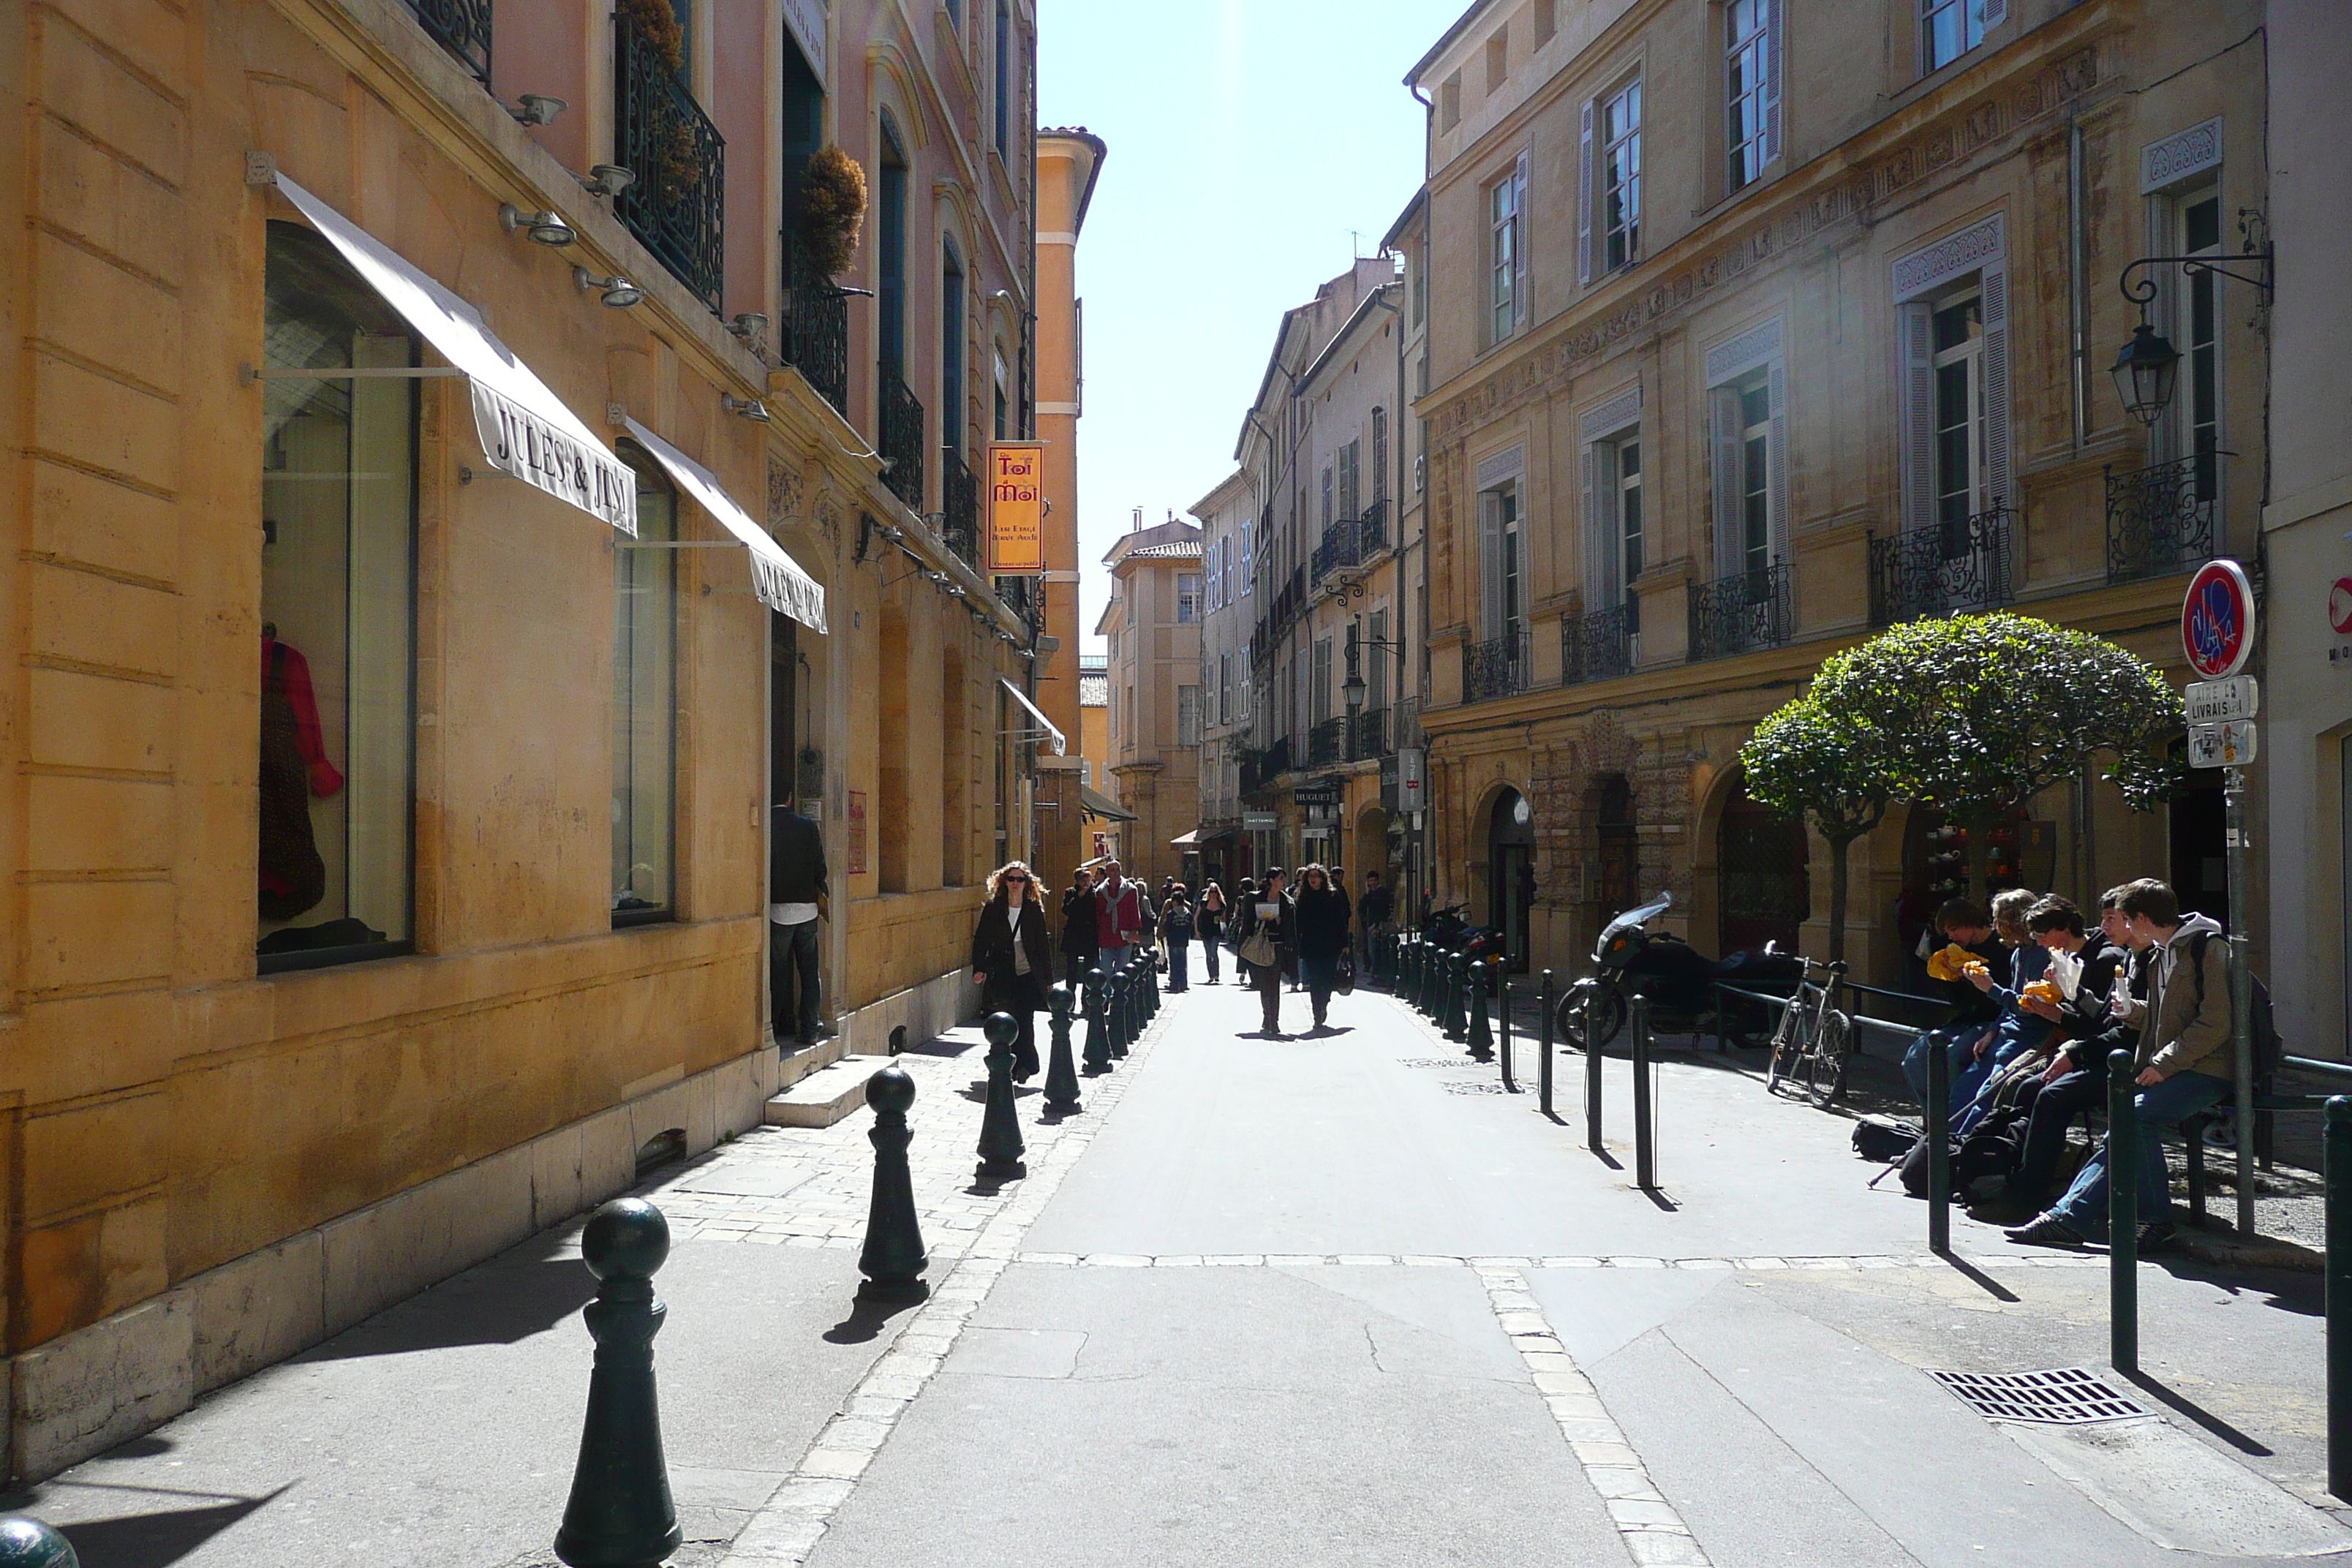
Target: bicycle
[[1814, 1041]]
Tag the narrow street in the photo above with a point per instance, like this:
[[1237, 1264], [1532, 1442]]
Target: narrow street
[[1327, 1299]]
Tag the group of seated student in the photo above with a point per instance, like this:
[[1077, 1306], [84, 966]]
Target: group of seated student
[[2149, 980]]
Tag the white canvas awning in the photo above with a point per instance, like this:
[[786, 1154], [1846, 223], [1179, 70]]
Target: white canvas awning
[[1061, 743], [776, 577], [526, 430]]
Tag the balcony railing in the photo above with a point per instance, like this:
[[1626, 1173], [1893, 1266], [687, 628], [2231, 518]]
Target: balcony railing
[[1326, 743], [1262, 766], [460, 26], [1947, 570], [2160, 518], [1740, 614], [1498, 669], [677, 205], [1601, 646], [815, 339], [1020, 595], [960, 489], [902, 440], [1368, 735], [1371, 531], [1350, 542]]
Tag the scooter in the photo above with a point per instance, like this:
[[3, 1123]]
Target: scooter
[[1450, 929], [1676, 981]]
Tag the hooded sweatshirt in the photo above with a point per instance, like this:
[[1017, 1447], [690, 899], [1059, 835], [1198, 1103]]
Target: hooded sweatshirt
[[2190, 1033]]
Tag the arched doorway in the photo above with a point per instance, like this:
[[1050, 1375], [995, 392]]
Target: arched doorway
[[1511, 872], [1762, 893], [1619, 858]]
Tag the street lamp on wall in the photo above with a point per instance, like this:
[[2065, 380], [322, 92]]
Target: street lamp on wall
[[2147, 368]]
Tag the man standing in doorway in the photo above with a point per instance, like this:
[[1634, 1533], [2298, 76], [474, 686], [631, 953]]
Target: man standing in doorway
[[797, 901], [1118, 905], [1372, 916]]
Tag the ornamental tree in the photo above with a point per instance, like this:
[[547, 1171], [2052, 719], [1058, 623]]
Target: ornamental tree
[[1811, 762], [1978, 714]]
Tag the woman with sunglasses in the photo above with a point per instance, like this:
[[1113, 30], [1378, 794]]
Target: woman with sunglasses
[[1013, 957]]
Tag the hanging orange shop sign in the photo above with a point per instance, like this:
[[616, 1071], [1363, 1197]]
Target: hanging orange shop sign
[[1017, 509]]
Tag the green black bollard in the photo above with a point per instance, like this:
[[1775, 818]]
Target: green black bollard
[[28, 1544], [999, 1128], [1420, 997], [1482, 1034], [1592, 1082], [1937, 1131], [893, 1260], [1097, 1024], [1543, 1058], [1451, 1017], [2123, 1212], [2338, 1169], [1061, 1072], [1150, 985], [620, 1514], [1115, 1007], [1645, 1152], [1503, 1030]]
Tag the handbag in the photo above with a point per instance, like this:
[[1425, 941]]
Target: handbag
[[1345, 984], [1258, 951]]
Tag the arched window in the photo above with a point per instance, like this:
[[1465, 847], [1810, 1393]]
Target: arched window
[[890, 249], [951, 353], [1762, 893], [1511, 872], [338, 616], [644, 704]]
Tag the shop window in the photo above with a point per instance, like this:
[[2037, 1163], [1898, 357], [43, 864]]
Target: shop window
[[338, 617], [644, 704]]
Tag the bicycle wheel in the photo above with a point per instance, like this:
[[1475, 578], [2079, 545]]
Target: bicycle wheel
[[1787, 1044], [1825, 1064]]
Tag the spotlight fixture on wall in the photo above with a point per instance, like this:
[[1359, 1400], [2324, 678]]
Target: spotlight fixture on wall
[[607, 179], [749, 408], [537, 108], [618, 292], [544, 229], [955, 590]]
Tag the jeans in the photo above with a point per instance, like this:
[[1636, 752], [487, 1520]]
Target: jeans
[[1111, 956], [1956, 1043], [1209, 951], [1176, 950], [2168, 1104], [792, 957], [2056, 1106]]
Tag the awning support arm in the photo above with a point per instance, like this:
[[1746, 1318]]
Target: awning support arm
[[247, 375]]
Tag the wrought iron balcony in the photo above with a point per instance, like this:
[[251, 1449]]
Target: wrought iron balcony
[[1350, 542], [902, 438], [961, 520], [1740, 614], [677, 205], [1368, 736], [1326, 743], [1601, 646], [1947, 570], [1262, 766], [2160, 518], [815, 338], [1498, 669], [460, 26]]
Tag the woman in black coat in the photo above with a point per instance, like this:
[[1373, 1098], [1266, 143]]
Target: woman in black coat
[[1266, 911], [1323, 915], [1013, 957]]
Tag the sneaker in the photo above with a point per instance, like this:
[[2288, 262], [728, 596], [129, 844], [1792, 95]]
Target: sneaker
[[2004, 1211], [2158, 1239], [2048, 1230]]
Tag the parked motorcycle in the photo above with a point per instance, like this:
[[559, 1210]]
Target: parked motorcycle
[[1450, 929], [1677, 981]]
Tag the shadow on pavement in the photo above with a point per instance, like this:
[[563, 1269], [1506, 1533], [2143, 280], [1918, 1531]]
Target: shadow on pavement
[[156, 1540], [2196, 1413], [866, 1321], [497, 1304]]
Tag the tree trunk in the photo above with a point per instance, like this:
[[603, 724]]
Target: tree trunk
[[1977, 832], [1839, 850]]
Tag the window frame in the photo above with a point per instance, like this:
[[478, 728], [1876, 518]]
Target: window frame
[[1751, 75], [1974, 16], [626, 564], [1607, 144]]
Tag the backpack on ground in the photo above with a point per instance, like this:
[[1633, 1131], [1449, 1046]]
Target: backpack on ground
[[1882, 1139]]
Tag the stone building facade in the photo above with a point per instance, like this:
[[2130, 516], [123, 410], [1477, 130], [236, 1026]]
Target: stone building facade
[[1152, 623], [1753, 328], [430, 570]]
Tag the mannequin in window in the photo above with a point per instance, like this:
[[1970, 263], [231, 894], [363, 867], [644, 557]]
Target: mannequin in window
[[294, 766]]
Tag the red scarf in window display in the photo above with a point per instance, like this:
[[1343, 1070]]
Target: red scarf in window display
[[294, 766]]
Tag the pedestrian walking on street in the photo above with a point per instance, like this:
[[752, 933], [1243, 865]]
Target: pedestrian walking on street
[[1246, 896], [1176, 923], [797, 900], [1119, 921], [1262, 930], [1209, 924], [1322, 936], [1081, 934], [1013, 957], [1372, 919]]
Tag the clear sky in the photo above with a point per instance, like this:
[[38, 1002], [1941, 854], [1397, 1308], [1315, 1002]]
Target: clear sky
[[1248, 137]]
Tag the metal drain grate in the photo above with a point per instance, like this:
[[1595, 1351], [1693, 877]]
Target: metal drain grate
[[1436, 1062], [2062, 1396], [1479, 1088]]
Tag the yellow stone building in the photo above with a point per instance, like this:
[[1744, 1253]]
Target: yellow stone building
[[1152, 623], [446, 522], [1754, 327]]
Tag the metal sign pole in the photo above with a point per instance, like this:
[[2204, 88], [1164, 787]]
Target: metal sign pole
[[2241, 990]]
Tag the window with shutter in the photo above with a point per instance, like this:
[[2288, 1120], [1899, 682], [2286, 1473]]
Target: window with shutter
[[1584, 200], [1751, 83], [1621, 176]]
